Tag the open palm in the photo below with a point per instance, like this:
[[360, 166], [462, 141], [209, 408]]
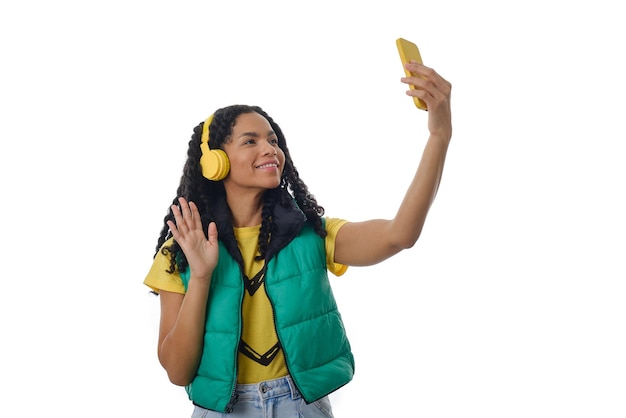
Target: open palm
[[201, 250]]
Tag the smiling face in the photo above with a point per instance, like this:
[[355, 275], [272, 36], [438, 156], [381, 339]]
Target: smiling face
[[256, 160]]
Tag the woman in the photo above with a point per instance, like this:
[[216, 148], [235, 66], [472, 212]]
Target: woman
[[248, 320]]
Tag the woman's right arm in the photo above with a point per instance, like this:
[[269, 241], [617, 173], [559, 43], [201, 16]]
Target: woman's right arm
[[181, 330]]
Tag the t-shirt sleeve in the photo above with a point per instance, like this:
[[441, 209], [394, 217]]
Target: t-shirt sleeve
[[333, 225], [159, 279]]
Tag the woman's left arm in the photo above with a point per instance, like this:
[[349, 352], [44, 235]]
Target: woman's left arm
[[370, 242]]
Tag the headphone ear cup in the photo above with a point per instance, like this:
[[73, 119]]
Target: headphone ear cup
[[215, 164]]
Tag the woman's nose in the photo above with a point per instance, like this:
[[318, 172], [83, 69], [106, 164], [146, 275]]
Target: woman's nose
[[269, 149]]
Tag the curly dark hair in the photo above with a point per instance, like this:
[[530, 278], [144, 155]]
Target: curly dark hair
[[196, 188]]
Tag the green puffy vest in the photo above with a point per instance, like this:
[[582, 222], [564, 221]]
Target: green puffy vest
[[308, 324]]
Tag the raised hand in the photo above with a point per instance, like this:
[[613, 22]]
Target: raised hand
[[201, 250], [435, 91]]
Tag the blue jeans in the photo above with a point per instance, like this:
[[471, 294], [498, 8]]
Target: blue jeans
[[272, 399]]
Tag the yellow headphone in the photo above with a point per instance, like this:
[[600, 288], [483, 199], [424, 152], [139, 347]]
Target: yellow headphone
[[214, 162]]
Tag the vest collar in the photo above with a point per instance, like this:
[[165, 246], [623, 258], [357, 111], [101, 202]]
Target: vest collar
[[287, 219]]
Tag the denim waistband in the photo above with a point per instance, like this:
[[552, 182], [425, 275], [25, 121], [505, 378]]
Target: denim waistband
[[268, 389]]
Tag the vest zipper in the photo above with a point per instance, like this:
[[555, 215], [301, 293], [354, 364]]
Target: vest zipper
[[234, 396], [282, 347]]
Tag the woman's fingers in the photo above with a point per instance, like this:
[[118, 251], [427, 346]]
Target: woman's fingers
[[184, 208], [212, 233], [428, 83], [435, 91], [186, 218], [195, 216]]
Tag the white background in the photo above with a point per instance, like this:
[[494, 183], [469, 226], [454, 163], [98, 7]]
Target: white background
[[510, 305]]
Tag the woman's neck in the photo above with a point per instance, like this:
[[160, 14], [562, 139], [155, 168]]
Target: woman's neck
[[245, 210]]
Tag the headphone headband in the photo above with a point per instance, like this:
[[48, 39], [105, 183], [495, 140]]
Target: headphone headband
[[205, 130]]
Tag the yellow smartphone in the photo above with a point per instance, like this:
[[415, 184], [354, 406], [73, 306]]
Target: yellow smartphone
[[409, 51]]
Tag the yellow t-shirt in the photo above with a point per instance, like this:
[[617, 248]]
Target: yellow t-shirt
[[259, 358]]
